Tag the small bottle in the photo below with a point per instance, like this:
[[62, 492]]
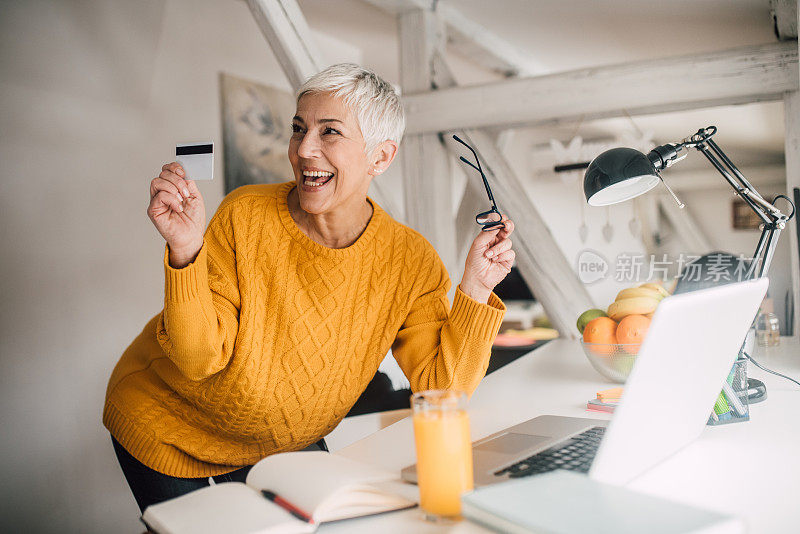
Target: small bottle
[[768, 330]]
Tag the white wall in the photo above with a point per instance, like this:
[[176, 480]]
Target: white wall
[[95, 94]]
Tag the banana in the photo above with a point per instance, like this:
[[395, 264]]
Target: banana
[[633, 292], [632, 306], [657, 287]]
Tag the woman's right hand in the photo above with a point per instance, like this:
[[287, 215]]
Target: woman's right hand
[[178, 213]]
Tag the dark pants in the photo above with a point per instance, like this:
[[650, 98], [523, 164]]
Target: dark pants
[[151, 487]]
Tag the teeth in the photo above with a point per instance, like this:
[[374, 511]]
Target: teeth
[[311, 176], [317, 174]]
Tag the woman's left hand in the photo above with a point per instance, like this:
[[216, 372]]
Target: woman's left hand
[[489, 260]]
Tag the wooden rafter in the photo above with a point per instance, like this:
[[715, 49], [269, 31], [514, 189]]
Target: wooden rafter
[[469, 38], [685, 226], [742, 75], [784, 17], [427, 186], [791, 113], [539, 258], [287, 32], [792, 124]]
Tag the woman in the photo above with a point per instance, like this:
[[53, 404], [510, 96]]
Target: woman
[[276, 318]]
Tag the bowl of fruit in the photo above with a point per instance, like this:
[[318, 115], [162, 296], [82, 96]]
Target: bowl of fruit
[[611, 339]]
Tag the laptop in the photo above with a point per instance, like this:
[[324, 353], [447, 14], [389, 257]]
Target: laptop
[[692, 343]]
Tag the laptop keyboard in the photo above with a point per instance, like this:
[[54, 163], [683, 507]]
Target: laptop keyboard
[[576, 454]]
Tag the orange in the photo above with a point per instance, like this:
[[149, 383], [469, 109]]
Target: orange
[[601, 330], [631, 331]]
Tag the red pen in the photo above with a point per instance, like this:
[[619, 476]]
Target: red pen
[[286, 505]]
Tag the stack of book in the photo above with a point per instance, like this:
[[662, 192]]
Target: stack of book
[[606, 400]]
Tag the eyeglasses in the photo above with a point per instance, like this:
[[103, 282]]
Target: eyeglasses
[[486, 218]]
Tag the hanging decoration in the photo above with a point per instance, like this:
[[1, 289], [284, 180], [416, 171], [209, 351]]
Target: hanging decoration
[[583, 229], [572, 158], [608, 230]]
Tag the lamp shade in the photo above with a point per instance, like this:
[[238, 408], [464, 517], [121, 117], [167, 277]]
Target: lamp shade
[[618, 175]]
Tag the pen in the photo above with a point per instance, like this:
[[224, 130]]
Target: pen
[[286, 505]]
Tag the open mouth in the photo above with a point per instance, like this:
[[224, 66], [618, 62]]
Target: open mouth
[[316, 178]]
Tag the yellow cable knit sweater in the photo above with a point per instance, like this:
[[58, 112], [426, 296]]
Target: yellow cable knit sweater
[[268, 338]]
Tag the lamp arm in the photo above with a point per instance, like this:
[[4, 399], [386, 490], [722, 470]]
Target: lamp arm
[[762, 257], [741, 189], [702, 141], [773, 219], [729, 164]]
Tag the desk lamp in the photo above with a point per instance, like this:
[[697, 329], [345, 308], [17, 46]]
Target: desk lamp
[[621, 174]]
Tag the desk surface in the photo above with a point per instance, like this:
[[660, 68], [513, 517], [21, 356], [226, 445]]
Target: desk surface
[[751, 469]]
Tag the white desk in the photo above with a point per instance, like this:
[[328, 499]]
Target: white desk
[[750, 469]]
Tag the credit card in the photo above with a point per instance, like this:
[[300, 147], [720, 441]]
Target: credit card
[[197, 160]]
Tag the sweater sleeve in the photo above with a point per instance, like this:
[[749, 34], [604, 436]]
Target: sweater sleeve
[[198, 326], [442, 348]]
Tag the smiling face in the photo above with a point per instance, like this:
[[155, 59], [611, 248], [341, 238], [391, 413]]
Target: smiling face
[[326, 151]]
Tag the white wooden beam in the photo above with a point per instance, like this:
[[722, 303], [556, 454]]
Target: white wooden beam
[[398, 7], [504, 139], [287, 33], [473, 201], [469, 38], [486, 48], [791, 113], [427, 186], [540, 261], [685, 226], [742, 75], [792, 124], [784, 17]]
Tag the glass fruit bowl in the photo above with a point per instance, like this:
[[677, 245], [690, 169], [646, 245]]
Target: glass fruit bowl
[[612, 360]]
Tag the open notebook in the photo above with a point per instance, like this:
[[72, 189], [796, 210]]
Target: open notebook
[[321, 486]]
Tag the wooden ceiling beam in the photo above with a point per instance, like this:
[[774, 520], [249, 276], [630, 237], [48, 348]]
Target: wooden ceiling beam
[[469, 38], [427, 186], [784, 17], [742, 75], [287, 33], [686, 227], [791, 113], [289, 36], [540, 260]]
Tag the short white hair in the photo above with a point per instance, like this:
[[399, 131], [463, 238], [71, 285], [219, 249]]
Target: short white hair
[[372, 100]]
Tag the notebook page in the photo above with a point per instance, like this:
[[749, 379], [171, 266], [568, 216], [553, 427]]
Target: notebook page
[[358, 501], [230, 507], [306, 479]]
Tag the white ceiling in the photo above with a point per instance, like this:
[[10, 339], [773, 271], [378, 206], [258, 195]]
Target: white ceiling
[[572, 34]]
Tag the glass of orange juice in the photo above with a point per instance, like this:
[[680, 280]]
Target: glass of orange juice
[[444, 451]]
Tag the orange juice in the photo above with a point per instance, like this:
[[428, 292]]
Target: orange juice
[[444, 460]]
